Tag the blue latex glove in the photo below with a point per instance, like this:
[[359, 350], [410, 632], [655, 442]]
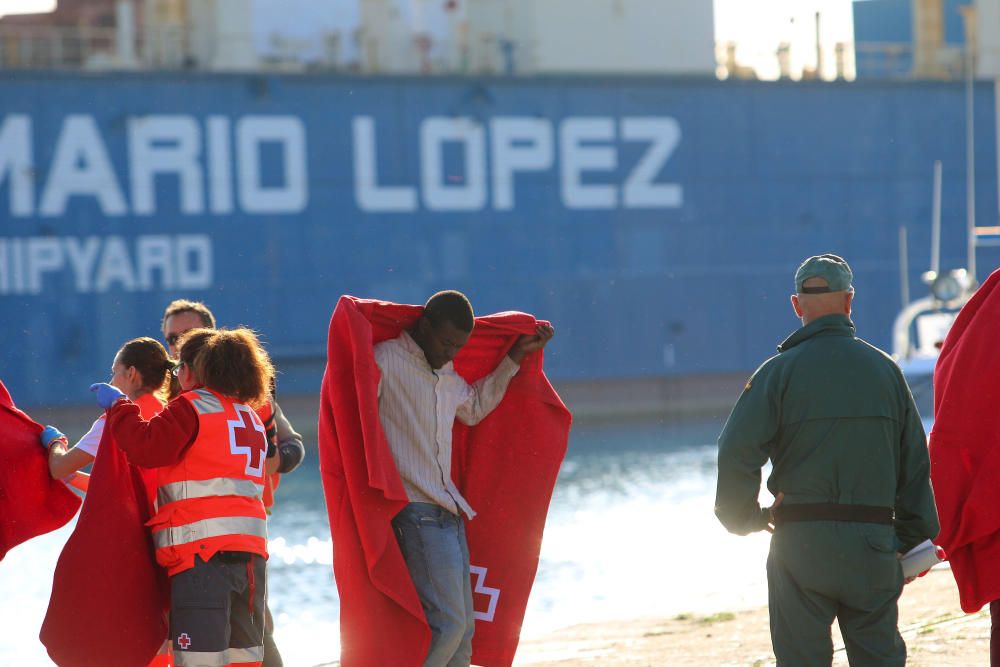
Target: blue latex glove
[[106, 394], [48, 434]]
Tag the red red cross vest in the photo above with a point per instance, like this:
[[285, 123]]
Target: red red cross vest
[[149, 407], [210, 500], [271, 482]]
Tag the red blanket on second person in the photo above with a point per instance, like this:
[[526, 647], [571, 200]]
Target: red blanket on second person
[[109, 596], [965, 447], [506, 467], [31, 502]]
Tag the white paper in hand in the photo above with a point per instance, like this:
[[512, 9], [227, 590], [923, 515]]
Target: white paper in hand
[[920, 558]]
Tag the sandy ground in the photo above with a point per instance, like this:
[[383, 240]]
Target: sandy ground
[[936, 632]]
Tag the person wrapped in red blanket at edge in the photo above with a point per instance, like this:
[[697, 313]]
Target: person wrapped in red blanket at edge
[[210, 530], [141, 370], [419, 397], [964, 450]]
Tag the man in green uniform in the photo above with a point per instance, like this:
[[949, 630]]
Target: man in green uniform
[[850, 478]]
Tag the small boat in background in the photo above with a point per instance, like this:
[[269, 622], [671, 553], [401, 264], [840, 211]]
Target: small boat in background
[[921, 327]]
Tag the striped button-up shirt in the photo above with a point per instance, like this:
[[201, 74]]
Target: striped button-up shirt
[[418, 406]]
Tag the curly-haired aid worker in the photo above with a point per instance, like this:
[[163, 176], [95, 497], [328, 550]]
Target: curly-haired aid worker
[[210, 529], [285, 448]]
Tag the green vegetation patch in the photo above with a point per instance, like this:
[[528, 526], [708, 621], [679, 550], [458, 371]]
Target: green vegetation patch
[[717, 618]]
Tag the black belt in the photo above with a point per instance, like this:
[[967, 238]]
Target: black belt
[[833, 512]]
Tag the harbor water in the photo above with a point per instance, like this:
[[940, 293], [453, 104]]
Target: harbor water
[[630, 533]]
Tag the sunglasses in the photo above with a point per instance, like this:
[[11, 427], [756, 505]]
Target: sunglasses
[[176, 370]]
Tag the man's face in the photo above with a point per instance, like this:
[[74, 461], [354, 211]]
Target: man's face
[[442, 342], [177, 324]]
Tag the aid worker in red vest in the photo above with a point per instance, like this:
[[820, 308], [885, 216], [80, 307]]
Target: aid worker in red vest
[[210, 529], [285, 449]]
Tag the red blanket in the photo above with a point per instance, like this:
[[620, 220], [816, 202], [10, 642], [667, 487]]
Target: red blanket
[[109, 596], [965, 447], [31, 502], [506, 467]]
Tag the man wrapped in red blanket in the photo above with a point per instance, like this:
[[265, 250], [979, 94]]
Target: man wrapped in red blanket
[[386, 362]]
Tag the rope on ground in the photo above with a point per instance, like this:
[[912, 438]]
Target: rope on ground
[[948, 620]]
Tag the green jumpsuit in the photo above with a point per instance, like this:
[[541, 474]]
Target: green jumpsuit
[[836, 418]]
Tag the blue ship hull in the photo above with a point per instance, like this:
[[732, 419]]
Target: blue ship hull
[[656, 222]]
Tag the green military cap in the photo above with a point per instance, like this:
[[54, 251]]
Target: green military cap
[[831, 268]]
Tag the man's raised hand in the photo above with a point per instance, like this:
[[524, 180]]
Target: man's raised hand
[[529, 343]]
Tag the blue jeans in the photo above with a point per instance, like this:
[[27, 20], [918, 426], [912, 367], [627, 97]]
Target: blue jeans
[[433, 543]]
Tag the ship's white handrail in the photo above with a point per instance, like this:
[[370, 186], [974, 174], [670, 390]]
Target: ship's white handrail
[[902, 347]]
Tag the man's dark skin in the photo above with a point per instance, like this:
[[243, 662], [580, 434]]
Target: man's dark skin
[[442, 342]]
